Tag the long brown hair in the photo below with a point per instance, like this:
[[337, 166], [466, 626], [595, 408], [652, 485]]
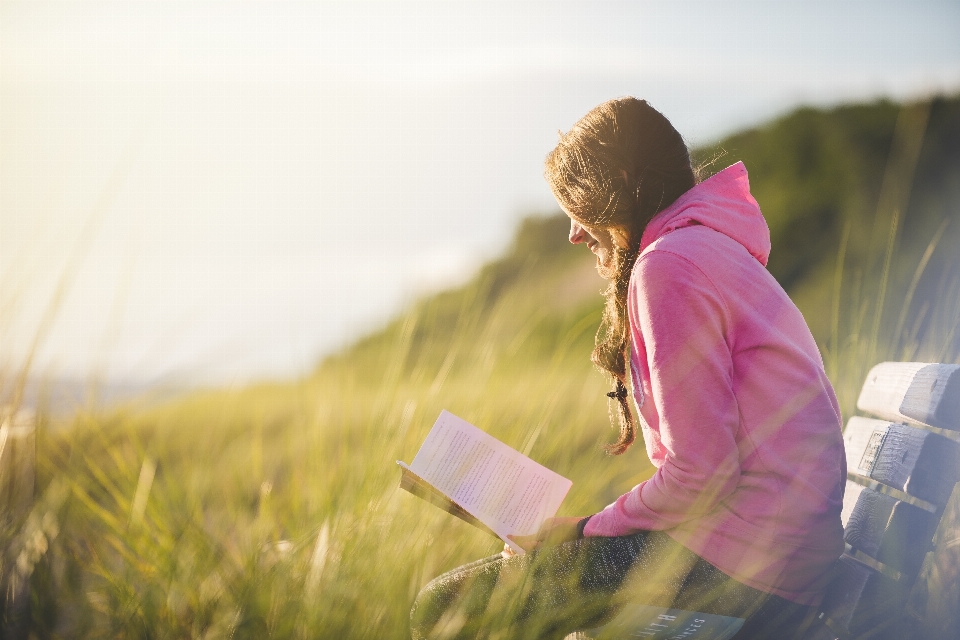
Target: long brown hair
[[619, 166]]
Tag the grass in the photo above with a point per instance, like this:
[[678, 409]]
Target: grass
[[273, 510]]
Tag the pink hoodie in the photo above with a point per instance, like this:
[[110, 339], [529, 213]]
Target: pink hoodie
[[737, 413]]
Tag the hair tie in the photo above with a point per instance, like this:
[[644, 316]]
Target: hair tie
[[620, 393]]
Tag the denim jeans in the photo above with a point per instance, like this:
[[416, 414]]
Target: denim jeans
[[583, 584]]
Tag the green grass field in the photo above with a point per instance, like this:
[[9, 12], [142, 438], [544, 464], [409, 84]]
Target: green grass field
[[273, 510]]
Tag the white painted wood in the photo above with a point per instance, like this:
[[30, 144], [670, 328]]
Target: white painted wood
[[850, 496], [860, 434], [868, 522], [924, 393], [856, 598], [907, 457], [885, 386], [909, 473], [881, 450], [921, 461]]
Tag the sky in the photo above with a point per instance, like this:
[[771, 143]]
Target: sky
[[217, 192]]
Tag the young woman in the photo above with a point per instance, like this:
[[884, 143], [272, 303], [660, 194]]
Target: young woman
[[742, 516]]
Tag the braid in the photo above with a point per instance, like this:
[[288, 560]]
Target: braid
[[613, 340], [619, 166]]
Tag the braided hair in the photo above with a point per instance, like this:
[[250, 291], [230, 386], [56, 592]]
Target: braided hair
[[619, 166]]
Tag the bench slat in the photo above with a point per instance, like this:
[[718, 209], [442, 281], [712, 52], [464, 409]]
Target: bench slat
[[923, 464], [910, 463], [845, 591], [869, 522], [914, 391], [860, 599], [908, 459]]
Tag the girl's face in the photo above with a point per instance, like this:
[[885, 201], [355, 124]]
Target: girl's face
[[600, 241]]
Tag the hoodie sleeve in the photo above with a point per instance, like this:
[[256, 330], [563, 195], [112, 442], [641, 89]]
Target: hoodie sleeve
[[679, 319]]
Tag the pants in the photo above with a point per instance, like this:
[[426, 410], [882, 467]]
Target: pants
[[583, 584]]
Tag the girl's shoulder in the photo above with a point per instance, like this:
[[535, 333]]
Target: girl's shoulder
[[719, 256]]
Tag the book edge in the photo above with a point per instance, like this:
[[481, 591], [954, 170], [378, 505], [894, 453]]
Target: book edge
[[415, 485]]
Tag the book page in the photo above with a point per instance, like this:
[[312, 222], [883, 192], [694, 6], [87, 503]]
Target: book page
[[498, 485]]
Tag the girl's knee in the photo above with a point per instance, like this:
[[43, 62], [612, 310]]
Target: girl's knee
[[432, 609], [448, 604], [435, 618], [422, 614]]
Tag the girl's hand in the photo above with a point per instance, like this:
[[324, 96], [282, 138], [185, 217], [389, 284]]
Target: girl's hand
[[553, 532]]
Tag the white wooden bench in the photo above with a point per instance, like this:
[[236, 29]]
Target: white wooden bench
[[902, 467]]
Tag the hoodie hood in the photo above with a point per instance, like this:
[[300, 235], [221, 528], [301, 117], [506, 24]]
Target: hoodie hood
[[722, 203]]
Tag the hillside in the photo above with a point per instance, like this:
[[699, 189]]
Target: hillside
[[851, 185], [844, 191], [272, 510]]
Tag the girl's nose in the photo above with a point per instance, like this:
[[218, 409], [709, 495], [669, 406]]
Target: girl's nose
[[576, 233]]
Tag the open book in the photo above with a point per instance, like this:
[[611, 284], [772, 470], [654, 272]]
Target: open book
[[479, 479]]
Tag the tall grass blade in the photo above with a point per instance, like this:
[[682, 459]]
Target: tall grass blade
[[144, 483], [884, 282], [835, 306], [894, 197], [915, 281], [71, 270]]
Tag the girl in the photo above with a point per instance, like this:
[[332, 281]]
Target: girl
[[742, 516]]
